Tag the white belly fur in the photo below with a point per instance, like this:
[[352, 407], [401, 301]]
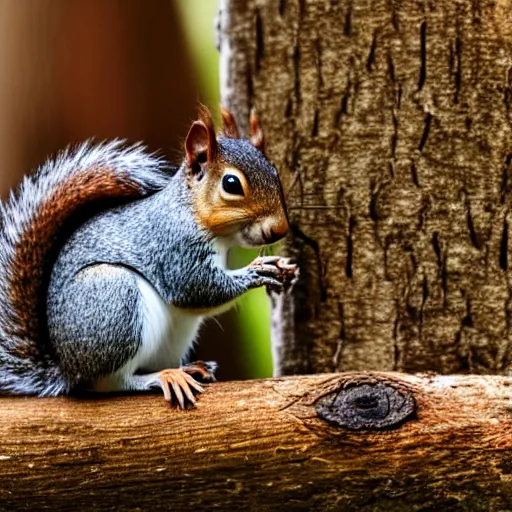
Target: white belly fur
[[168, 333]]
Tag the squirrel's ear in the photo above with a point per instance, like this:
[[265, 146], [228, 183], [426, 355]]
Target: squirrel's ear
[[257, 139], [229, 127], [201, 144]]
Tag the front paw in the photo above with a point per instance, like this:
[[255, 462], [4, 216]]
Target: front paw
[[278, 273], [178, 386], [289, 273]]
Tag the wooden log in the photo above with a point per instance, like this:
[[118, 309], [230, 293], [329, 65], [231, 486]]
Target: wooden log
[[392, 442]]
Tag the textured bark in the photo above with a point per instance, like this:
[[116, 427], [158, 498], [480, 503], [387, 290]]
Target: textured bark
[[390, 122], [261, 446]]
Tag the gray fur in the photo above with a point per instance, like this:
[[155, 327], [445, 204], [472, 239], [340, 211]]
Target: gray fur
[[177, 258], [98, 299]]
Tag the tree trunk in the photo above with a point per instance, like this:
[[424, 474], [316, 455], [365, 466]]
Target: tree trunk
[[390, 123], [266, 445]]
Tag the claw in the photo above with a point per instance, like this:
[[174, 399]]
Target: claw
[[285, 264], [265, 260], [181, 383], [176, 387], [274, 285], [165, 389], [192, 382]]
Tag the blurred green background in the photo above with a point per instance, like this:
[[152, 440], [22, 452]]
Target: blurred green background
[[135, 69]]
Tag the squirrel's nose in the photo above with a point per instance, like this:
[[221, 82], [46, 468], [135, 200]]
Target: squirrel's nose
[[277, 232]]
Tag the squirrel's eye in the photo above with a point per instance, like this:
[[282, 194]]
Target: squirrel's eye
[[231, 184]]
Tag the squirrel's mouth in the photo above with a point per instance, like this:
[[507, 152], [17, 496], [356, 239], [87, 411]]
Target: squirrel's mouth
[[262, 233]]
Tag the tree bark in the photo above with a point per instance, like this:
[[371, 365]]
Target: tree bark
[[266, 445], [390, 122]]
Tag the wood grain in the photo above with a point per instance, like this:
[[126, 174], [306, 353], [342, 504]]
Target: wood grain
[[259, 445]]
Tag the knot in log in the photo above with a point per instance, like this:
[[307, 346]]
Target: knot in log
[[376, 405]]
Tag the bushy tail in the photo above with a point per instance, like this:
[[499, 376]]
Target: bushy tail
[[30, 222]]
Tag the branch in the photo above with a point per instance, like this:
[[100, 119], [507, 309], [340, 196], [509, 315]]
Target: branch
[[352, 441]]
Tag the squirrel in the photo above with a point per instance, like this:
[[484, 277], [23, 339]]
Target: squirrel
[[109, 261]]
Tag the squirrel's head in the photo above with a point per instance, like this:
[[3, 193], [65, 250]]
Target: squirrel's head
[[236, 192]]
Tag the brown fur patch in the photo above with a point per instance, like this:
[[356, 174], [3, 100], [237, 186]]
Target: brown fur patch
[[205, 117], [257, 139], [31, 252], [230, 129], [221, 220]]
